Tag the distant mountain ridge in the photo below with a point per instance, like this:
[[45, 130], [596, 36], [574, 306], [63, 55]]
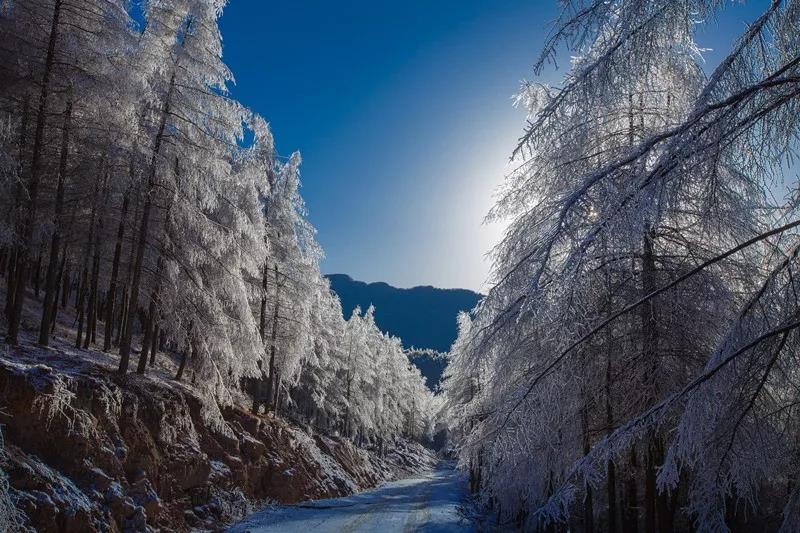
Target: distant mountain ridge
[[424, 316]]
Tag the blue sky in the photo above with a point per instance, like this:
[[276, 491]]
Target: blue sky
[[402, 111]]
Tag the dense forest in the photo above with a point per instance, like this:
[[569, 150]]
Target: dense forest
[[634, 365], [150, 210]]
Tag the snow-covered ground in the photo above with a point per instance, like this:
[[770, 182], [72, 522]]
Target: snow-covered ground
[[428, 502]]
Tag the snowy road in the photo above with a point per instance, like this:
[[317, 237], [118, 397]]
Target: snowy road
[[427, 502]]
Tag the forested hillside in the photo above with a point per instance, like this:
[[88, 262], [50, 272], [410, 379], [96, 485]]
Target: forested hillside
[[424, 317], [634, 366], [147, 215]]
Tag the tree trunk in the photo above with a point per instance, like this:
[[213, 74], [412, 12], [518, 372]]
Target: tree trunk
[[80, 306], [37, 274], [155, 343], [257, 391], [61, 279], [182, 366], [650, 488], [26, 235], [151, 321], [663, 508], [612, 468], [10, 265], [125, 344], [347, 406], [112, 284], [258, 383], [185, 354], [84, 281], [23, 143], [276, 403], [151, 334], [11, 281], [271, 381], [262, 327], [650, 347], [91, 318], [51, 290], [123, 313], [147, 338], [630, 522], [124, 309], [588, 503], [66, 285], [91, 328]]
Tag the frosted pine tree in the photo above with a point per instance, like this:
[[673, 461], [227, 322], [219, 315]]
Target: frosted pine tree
[[633, 166]]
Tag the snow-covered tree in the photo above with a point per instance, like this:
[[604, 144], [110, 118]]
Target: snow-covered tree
[[633, 181]]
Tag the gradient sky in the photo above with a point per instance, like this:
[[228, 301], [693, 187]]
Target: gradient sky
[[403, 113]]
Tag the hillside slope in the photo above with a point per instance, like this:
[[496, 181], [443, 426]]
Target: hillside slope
[[424, 317], [88, 451]]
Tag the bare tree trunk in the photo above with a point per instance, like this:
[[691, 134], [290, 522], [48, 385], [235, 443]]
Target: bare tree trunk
[[125, 344], [664, 510], [630, 522], [258, 383], [630, 519], [61, 279], [146, 340], [276, 402], [91, 318], [650, 488], [182, 366], [26, 235], [262, 327], [271, 381], [37, 274], [66, 285], [112, 284], [123, 312], [151, 320], [155, 344], [347, 407], [151, 333], [84, 281], [80, 306], [185, 354], [91, 327], [612, 468], [9, 252], [346, 429], [650, 346], [588, 503], [51, 290], [611, 481], [11, 281]]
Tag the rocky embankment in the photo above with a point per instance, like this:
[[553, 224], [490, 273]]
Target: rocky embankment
[[88, 451]]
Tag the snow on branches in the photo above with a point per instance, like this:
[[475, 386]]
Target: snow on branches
[[141, 192], [635, 354]]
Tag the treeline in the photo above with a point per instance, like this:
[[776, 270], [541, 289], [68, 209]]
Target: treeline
[[147, 208], [635, 365]]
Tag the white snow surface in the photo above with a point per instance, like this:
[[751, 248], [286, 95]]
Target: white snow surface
[[428, 502]]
